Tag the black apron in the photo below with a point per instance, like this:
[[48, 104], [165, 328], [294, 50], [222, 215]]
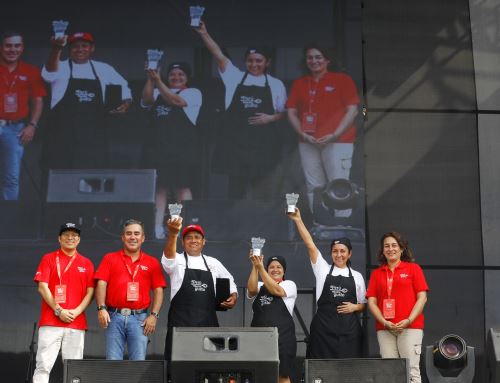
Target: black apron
[[172, 145], [76, 138], [335, 335], [244, 149], [271, 311], [193, 305]]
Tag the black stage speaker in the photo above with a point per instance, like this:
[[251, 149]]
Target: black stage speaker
[[493, 352], [107, 371], [210, 354], [100, 200], [356, 370], [267, 219]]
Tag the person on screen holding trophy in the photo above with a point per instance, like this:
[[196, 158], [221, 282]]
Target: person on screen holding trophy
[[172, 143], [321, 108], [84, 91], [255, 101], [273, 303], [340, 292], [200, 285]]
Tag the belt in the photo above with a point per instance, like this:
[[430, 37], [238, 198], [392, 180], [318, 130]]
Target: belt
[[7, 122], [126, 312]]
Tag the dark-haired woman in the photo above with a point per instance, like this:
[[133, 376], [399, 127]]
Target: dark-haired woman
[[340, 293], [321, 108], [397, 293], [254, 102], [274, 299], [172, 147]]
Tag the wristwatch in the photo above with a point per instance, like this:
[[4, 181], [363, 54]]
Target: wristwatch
[[101, 307], [57, 311], [156, 315]]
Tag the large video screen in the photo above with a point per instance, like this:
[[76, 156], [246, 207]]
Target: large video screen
[[149, 105]]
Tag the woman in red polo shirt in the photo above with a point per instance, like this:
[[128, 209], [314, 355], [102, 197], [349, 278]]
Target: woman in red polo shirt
[[397, 293], [321, 108]]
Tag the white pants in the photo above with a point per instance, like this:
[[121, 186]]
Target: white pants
[[52, 339], [407, 344], [322, 164]]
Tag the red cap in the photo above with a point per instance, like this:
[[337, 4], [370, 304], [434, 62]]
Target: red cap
[[86, 36], [189, 228]]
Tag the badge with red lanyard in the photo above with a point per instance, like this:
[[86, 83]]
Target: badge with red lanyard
[[389, 304], [10, 98], [310, 119], [60, 290], [133, 287]]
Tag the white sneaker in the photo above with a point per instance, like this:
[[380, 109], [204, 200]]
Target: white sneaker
[[159, 232]]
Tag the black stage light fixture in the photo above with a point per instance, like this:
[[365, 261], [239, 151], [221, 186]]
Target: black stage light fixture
[[450, 360], [341, 194]]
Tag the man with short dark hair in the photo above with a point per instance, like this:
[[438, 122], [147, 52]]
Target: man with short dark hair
[[76, 129], [193, 277], [21, 93], [125, 279], [66, 283]]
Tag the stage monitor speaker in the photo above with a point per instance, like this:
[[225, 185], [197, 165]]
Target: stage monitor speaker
[[364, 370], [106, 371], [99, 201], [244, 354], [493, 353]]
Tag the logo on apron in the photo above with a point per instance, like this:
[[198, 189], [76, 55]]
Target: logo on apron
[[84, 96], [162, 110], [250, 102], [198, 285], [265, 300], [338, 291]]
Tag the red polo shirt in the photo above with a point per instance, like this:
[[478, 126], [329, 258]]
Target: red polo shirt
[[113, 270], [328, 98], [26, 83], [77, 279], [408, 281]]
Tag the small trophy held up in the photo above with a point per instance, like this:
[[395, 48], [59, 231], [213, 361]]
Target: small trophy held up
[[154, 56], [175, 210], [59, 27], [257, 245], [291, 201], [196, 12]]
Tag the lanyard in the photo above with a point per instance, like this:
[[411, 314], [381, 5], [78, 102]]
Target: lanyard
[[390, 281], [10, 85], [312, 92], [136, 268], [58, 264]]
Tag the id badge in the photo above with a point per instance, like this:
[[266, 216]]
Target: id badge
[[10, 102], [133, 291], [309, 121], [60, 294], [389, 308]]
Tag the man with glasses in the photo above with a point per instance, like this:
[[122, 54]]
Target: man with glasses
[[66, 284], [125, 280]]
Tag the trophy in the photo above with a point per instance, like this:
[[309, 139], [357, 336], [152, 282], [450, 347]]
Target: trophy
[[154, 56], [59, 27], [257, 245], [196, 12], [291, 201], [175, 210]]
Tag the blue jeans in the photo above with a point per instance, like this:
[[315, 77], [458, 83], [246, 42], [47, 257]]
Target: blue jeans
[[126, 330], [11, 153]]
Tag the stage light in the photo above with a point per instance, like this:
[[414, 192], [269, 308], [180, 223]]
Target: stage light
[[450, 360], [341, 194]]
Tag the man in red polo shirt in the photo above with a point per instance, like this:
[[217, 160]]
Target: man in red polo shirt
[[125, 279], [66, 283], [21, 104]]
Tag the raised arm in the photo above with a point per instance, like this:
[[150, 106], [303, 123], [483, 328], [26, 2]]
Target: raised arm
[[213, 47], [305, 235], [154, 80], [173, 227], [56, 47]]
